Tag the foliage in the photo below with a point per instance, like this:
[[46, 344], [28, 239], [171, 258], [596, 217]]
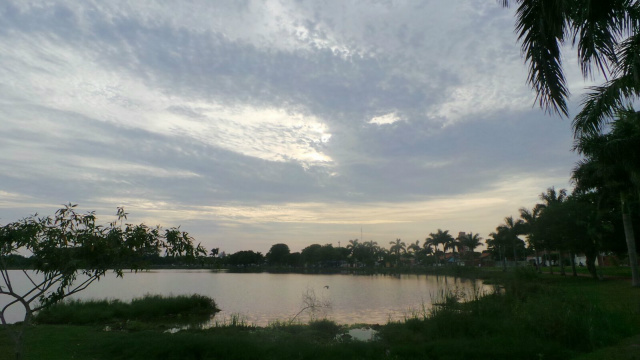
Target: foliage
[[70, 251], [368, 253], [278, 254], [244, 258], [439, 238], [505, 241], [606, 36], [535, 317], [607, 128], [147, 308], [397, 248], [470, 241], [317, 255]]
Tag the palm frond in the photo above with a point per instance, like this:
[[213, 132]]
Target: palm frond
[[597, 27], [629, 58], [602, 103], [541, 26]]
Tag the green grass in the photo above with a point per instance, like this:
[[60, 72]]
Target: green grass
[[147, 308], [606, 271], [545, 317], [533, 317]]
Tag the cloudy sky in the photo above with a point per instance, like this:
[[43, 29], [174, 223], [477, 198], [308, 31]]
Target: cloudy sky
[[255, 122]]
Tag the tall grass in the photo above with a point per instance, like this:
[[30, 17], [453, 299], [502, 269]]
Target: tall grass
[[531, 318], [234, 321], [147, 308]]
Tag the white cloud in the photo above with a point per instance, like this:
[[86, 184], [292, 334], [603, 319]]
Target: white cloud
[[256, 114], [79, 85], [385, 119]]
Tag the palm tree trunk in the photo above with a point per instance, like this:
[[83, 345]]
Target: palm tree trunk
[[591, 262], [631, 241], [549, 260], [538, 261]]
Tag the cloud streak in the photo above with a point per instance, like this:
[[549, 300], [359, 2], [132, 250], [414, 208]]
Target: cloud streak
[[259, 121]]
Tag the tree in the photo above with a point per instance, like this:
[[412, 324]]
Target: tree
[[613, 163], [397, 247], [244, 258], [453, 244], [470, 241], [497, 245], [311, 255], [512, 228], [355, 250], [427, 247], [278, 254], [552, 225], [439, 238], [371, 253], [607, 34], [529, 228], [607, 39], [588, 222], [414, 247], [71, 244]]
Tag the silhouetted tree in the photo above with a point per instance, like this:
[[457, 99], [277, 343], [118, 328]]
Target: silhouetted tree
[[70, 244], [244, 258], [278, 254], [397, 247], [439, 238]]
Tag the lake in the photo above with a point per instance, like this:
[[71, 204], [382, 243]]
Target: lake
[[260, 298]]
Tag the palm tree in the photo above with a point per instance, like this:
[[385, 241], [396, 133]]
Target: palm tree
[[529, 219], [427, 249], [512, 228], [470, 241], [607, 38], [613, 162], [371, 252], [397, 247], [414, 247], [453, 244], [553, 228], [497, 245], [439, 238], [354, 246]]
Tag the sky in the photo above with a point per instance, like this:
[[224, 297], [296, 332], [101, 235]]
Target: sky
[[250, 123]]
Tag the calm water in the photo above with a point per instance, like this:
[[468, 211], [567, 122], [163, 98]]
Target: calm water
[[263, 298]]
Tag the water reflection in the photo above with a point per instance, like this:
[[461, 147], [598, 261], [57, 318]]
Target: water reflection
[[263, 298]]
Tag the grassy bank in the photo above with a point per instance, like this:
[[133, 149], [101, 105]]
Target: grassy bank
[[147, 308], [534, 317]]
